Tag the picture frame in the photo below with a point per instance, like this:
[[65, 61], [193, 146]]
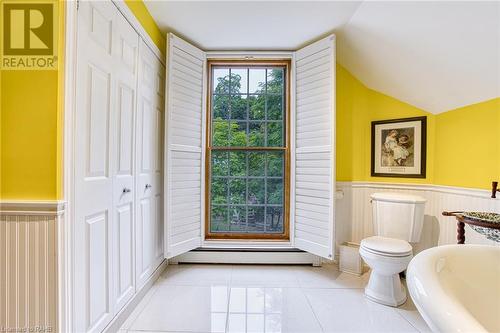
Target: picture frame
[[399, 147]]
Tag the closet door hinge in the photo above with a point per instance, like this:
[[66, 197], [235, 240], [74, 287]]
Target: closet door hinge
[[77, 4]]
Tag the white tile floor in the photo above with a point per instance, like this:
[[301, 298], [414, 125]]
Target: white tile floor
[[241, 298]]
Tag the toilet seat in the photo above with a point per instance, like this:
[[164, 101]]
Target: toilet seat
[[386, 257], [388, 247]]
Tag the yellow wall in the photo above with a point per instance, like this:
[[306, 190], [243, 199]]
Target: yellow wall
[[31, 115], [141, 12], [29, 134], [357, 107], [463, 145], [468, 146]]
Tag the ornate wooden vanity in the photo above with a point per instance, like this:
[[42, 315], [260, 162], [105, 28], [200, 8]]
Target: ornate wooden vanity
[[487, 224]]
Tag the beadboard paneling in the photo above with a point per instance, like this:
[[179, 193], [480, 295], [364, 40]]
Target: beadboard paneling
[[28, 258], [354, 212]]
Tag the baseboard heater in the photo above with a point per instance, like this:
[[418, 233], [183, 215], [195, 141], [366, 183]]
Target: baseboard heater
[[247, 256]]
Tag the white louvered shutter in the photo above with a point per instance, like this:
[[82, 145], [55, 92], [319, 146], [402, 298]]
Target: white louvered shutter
[[314, 156], [185, 147]]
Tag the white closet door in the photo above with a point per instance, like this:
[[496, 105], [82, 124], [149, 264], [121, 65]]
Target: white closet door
[[185, 147], [123, 121], [314, 158], [94, 164], [149, 229], [158, 139]]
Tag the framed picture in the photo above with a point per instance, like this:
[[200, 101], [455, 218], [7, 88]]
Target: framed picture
[[399, 147]]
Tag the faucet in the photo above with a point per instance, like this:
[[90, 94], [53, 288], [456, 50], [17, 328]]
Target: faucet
[[494, 189]]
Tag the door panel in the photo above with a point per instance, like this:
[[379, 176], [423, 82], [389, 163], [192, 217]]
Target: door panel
[[98, 268], [126, 116], [98, 122], [124, 253], [159, 228], [145, 240], [125, 53], [149, 165], [94, 162]]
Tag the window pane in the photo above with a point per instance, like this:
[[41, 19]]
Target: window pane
[[274, 107], [256, 134], [220, 107], [238, 218], [256, 163], [255, 219], [237, 191], [275, 164], [275, 191], [239, 107], [239, 78], [247, 186], [220, 82], [256, 188], [238, 135], [220, 163], [219, 193], [238, 165], [257, 81], [274, 134], [256, 105], [219, 220], [274, 219], [220, 133], [275, 81]]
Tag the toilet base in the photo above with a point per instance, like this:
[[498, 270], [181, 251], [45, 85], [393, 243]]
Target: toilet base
[[385, 289]]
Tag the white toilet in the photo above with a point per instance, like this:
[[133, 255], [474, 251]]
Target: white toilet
[[397, 221]]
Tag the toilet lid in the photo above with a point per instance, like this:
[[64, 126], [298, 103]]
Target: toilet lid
[[390, 246]]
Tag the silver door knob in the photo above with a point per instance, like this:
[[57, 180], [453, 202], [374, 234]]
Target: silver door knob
[[126, 190], [148, 186]]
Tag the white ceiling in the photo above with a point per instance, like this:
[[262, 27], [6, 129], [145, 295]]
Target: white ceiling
[[436, 55], [250, 25]]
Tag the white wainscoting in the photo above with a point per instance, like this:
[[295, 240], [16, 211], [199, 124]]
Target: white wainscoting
[[354, 213], [28, 265]]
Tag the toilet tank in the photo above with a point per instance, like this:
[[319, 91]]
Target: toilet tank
[[398, 215]]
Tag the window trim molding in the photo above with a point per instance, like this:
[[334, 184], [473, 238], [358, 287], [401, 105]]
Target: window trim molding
[[244, 59], [249, 55]]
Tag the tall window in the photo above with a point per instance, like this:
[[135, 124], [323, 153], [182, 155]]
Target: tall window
[[247, 150]]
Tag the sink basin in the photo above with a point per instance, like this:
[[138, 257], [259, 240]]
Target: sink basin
[[456, 288], [493, 219]]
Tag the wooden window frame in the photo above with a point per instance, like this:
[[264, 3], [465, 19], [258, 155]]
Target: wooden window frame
[[285, 236]]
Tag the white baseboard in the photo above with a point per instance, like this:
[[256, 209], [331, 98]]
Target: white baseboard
[[247, 257], [127, 310]]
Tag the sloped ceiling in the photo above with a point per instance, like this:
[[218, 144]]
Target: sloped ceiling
[[436, 55]]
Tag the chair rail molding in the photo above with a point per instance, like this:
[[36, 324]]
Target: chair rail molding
[[419, 187], [29, 254], [32, 207]]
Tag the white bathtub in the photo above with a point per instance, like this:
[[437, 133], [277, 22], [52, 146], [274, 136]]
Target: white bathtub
[[456, 288]]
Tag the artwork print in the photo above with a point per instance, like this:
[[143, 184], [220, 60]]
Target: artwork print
[[399, 148]]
